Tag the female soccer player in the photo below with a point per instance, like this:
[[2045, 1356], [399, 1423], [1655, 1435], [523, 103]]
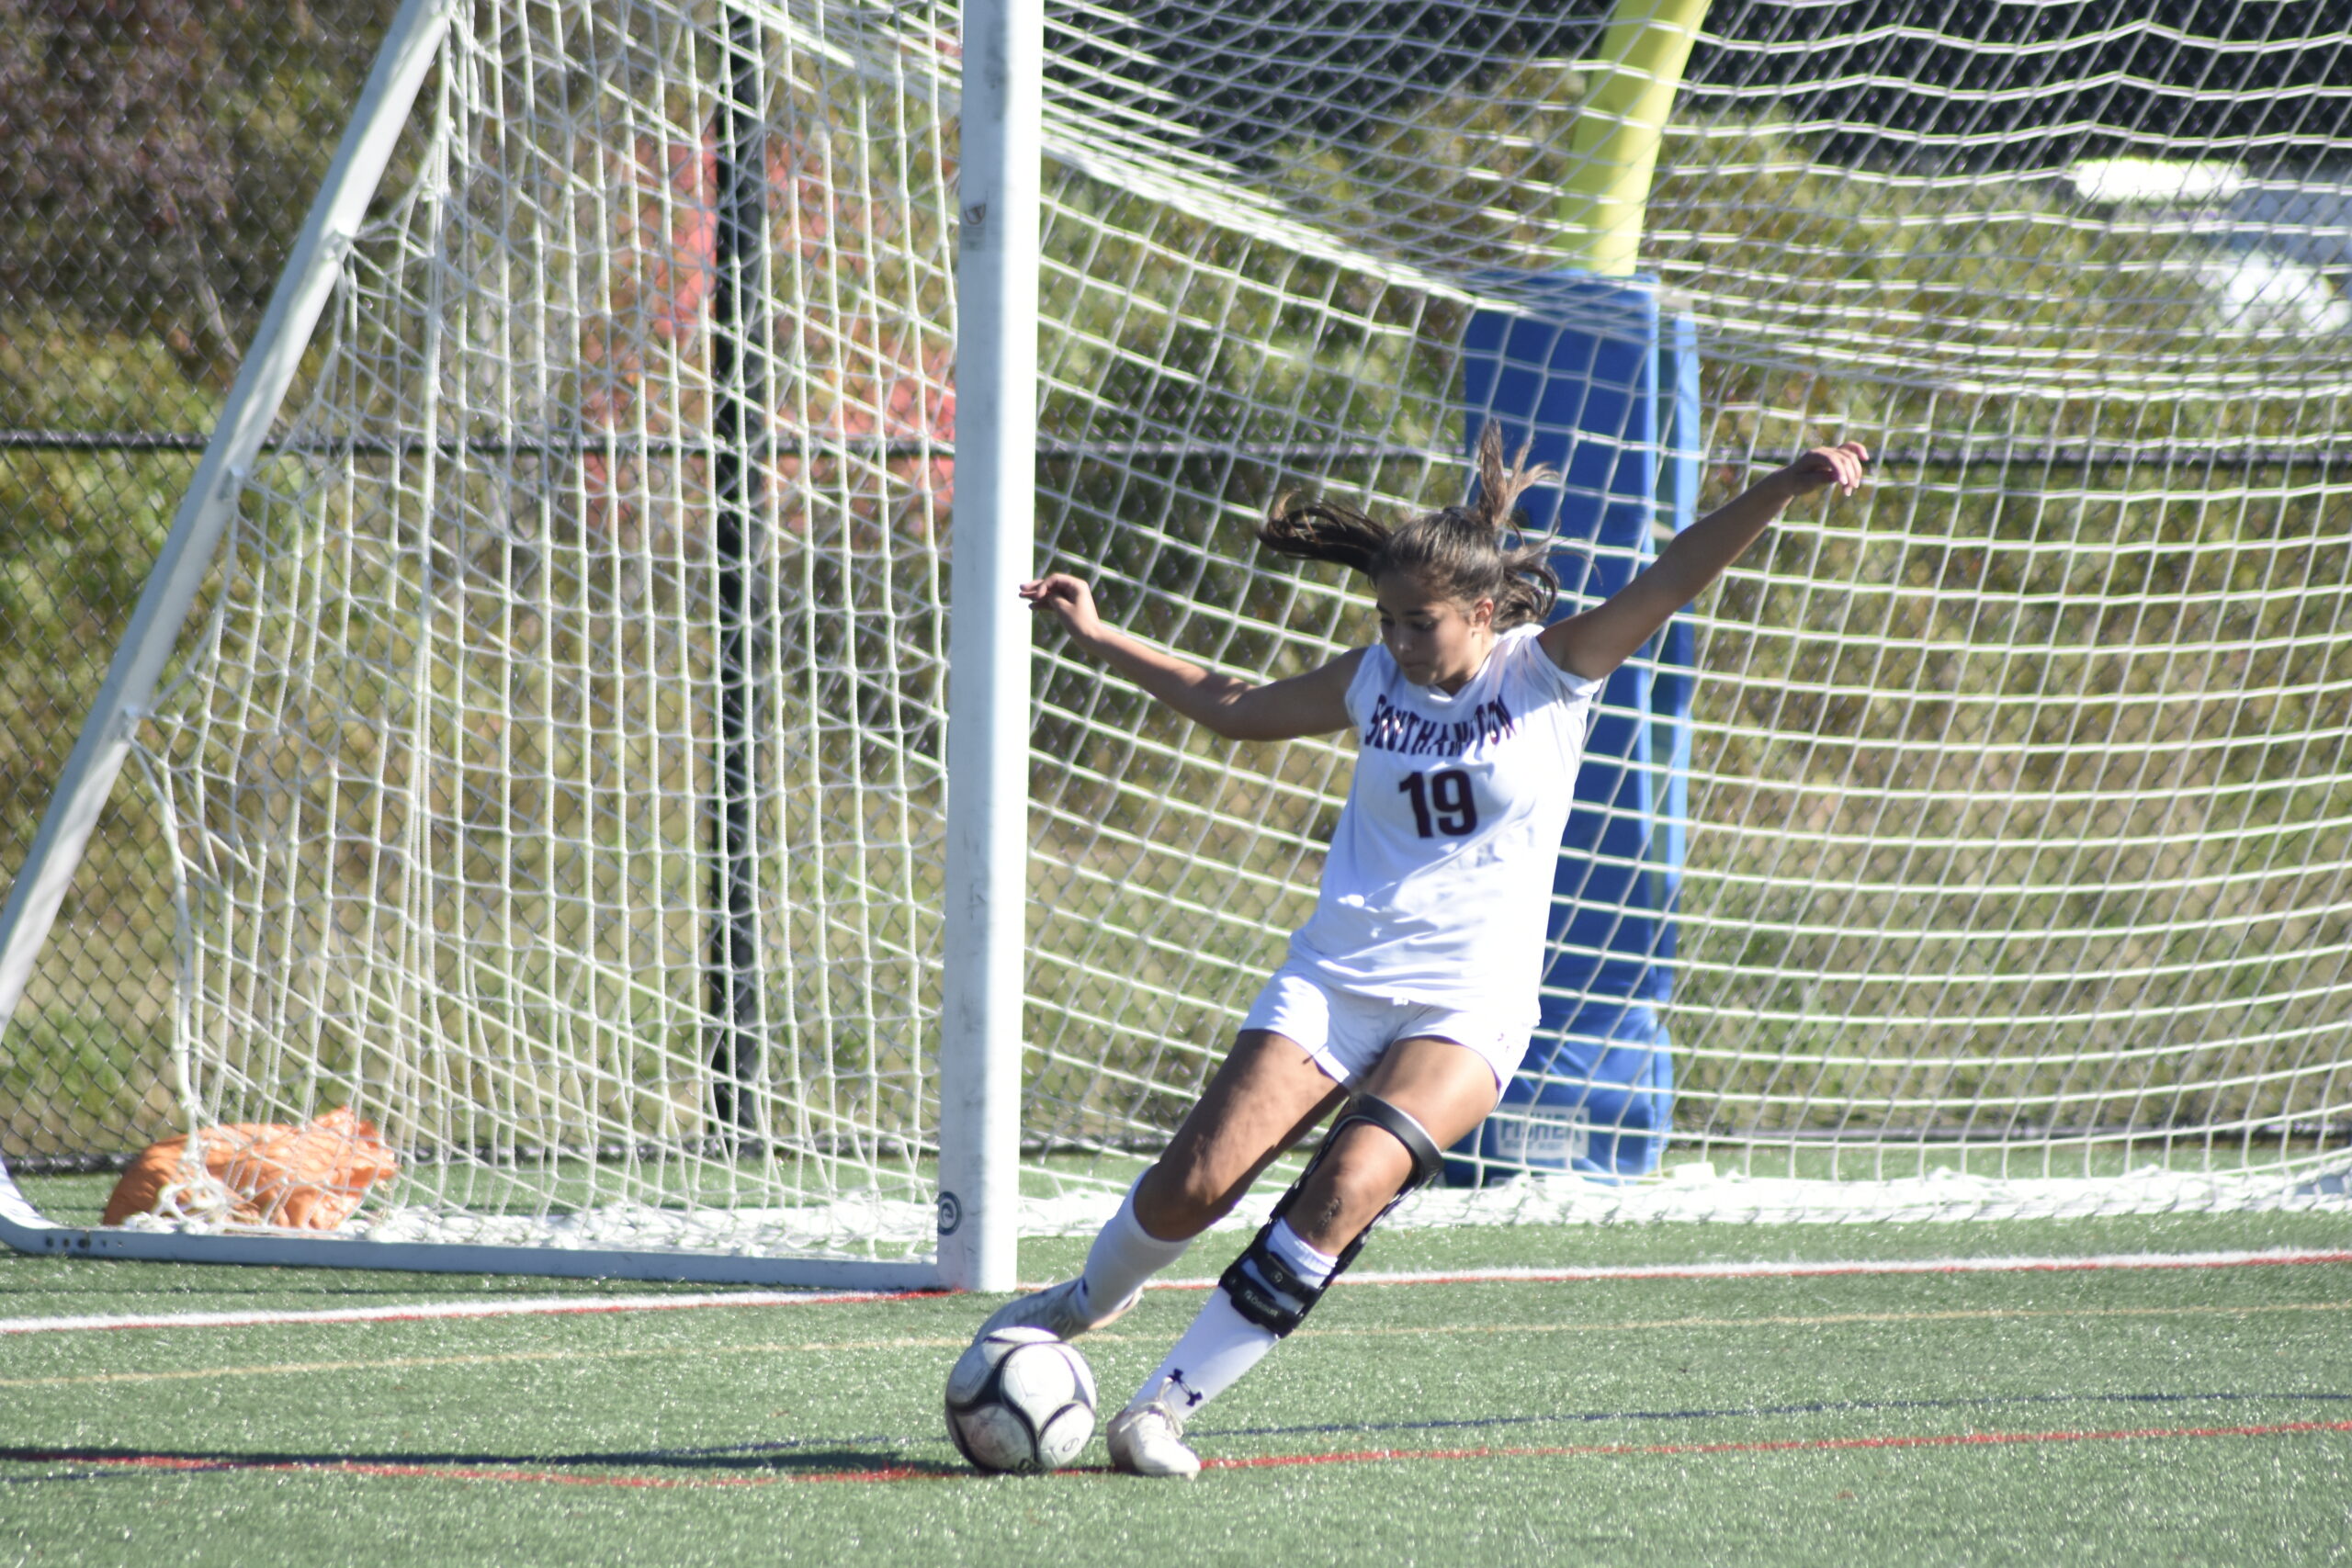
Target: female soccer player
[[1411, 993]]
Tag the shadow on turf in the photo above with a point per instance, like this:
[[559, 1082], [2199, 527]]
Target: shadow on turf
[[868, 1455], [124, 1474], [777, 1459]]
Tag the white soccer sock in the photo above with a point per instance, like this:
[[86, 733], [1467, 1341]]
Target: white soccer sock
[[1124, 1256], [1222, 1343]]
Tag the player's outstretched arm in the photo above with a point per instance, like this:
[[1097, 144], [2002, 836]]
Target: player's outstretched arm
[[1596, 642], [1312, 704]]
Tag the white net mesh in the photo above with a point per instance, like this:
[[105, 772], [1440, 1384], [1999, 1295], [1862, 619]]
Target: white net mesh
[[2016, 842], [555, 784], [2019, 805]]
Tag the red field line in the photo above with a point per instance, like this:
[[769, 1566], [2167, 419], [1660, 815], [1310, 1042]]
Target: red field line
[[1261, 1461]]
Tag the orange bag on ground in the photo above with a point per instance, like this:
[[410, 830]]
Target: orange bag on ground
[[258, 1173]]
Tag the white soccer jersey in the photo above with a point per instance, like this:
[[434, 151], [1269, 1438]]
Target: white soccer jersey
[[1439, 873]]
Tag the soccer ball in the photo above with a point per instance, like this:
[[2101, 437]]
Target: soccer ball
[[1020, 1400]]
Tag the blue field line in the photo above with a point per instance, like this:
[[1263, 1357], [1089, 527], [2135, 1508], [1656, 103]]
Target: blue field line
[[1814, 1407]]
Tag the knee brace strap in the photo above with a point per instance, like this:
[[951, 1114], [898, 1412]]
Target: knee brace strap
[[1401, 1125], [1265, 1291], [1263, 1288]]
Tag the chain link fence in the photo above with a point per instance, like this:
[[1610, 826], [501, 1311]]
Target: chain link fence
[[156, 158]]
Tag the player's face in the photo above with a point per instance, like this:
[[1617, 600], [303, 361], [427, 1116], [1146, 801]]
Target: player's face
[[1435, 640]]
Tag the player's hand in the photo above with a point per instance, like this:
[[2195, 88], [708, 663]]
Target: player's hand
[[1067, 598], [1842, 466]]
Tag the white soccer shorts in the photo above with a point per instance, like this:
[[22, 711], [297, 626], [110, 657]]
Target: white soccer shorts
[[1345, 1032]]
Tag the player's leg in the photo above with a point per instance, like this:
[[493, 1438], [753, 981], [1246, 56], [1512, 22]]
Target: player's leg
[[1265, 1096], [1446, 1088], [1423, 1094]]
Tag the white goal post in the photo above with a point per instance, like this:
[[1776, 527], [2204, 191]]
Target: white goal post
[[581, 722]]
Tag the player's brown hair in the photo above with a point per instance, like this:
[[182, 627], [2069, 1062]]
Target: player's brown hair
[[1456, 550]]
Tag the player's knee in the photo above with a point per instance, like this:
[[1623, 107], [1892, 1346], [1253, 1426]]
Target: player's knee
[[1366, 1168], [1177, 1201]]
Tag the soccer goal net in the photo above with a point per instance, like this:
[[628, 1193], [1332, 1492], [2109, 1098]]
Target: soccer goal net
[[551, 766]]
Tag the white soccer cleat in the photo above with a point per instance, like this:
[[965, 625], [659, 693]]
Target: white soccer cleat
[[1054, 1309], [1147, 1440]]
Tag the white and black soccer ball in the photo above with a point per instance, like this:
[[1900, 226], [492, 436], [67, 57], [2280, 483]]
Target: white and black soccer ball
[[1020, 1400]]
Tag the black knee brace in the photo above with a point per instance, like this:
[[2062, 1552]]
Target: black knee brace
[[1261, 1287]]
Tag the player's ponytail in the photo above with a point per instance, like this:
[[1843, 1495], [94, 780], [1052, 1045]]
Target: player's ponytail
[[1457, 551], [1325, 530]]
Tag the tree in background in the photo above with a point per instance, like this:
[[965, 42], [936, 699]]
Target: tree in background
[[156, 157]]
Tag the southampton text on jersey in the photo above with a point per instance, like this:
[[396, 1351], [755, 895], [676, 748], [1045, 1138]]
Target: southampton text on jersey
[[1391, 728]]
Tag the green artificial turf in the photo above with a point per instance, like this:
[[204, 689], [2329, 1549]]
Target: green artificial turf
[[1796, 1420]]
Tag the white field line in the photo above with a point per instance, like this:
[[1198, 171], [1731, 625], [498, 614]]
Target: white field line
[[2273, 1256], [418, 1312], [576, 1306]]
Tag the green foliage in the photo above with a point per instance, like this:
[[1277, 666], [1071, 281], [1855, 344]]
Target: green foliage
[[156, 157]]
